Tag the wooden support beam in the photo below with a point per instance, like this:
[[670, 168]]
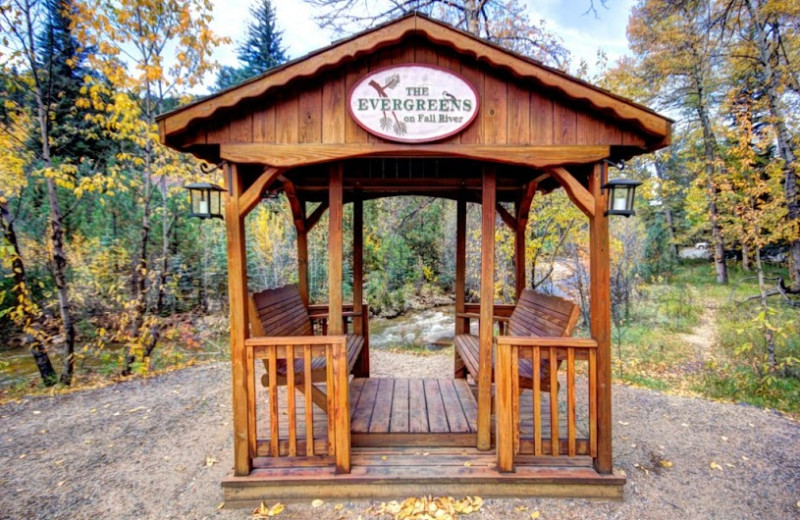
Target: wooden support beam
[[362, 365], [461, 263], [297, 206], [487, 309], [335, 248], [313, 219], [250, 198], [523, 207], [600, 311], [579, 195], [302, 266], [509, 220], [237, 296], [290, 155]]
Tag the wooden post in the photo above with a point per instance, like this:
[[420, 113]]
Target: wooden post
[[341, 414], [487, 309], [601, 319], [461, 262], [335, 245], [504, 421], [237, 295], [359, 320], [302, 265], [519, 255]]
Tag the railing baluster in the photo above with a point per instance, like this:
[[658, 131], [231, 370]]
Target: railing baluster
[[291, 387], [571, 401], [515, 391], [554, 437], [274, 433], [329, 390], [307, 383], [252, 441], [537, 401], [593, 403]]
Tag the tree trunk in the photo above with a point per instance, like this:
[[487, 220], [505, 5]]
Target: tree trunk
[[769, 337], [165, 250], [667, 211], [29, 319], [785, 149], [471, 17], [746, 257], [709, 142]]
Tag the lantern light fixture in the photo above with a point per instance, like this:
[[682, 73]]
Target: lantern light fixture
[[621, 193], [205, 200]]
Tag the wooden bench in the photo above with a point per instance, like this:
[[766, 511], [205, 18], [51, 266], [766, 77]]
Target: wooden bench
[[281, 312], [535, 314]]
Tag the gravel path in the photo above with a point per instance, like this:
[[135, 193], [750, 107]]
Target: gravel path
[[141, 449]]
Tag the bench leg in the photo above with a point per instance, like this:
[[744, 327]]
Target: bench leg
[[459, 369], [361, 367]]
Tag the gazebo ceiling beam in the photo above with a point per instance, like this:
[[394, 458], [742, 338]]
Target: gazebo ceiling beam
[[287, 156], [296, 205]]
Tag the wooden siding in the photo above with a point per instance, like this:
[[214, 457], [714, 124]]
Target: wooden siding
[[512, 111]]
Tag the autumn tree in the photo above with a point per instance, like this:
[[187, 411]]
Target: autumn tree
[[261, 50], [676, 49], [763, 41], [155, 50], [504, 22], [34, 53]]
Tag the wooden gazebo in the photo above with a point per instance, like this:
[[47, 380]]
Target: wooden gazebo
[[415, 107]]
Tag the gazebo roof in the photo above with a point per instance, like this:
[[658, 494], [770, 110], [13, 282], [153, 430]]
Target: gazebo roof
[[653, 127]]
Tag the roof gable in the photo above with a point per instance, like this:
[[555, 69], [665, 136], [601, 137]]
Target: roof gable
[[653, 126]]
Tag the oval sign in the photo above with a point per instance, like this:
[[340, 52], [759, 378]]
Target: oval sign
[[413, 103]]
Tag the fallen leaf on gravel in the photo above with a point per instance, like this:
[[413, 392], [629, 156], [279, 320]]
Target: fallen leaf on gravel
[[714, 465], [521, 509], [221, 505], [665, 463], [316, 503], [43, 431], [61, 483], [729, 465], [210, 461], [36, 412], [535, 515], [23, 456], [93, 410], [59, 462], [136, 409], [264, 511], [427, 507], [725, 439], [467, 464], [337, 507], [684, 425], [745, 458], [623, 423]]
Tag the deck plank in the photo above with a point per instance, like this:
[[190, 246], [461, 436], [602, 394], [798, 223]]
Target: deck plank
[[418, 411], [362, 413], [456, 419], [399, 423], [382, 413], [437, 418]]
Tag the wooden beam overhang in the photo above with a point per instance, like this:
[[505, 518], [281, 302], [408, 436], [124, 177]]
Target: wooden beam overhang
[[250, 198], [288, 156], [579, 195]]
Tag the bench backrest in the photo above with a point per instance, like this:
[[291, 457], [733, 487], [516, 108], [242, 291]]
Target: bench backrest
[[538, 314], [279, 312]]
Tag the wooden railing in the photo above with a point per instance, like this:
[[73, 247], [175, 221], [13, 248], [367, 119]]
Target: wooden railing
[[538, 351], [300, 351]]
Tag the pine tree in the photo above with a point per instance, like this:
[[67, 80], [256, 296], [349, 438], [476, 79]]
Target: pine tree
[[261, 50]]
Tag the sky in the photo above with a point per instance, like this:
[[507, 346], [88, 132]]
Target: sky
[[583, 34]]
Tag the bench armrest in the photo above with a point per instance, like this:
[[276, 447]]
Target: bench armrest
[[476, 316], [266, 341]]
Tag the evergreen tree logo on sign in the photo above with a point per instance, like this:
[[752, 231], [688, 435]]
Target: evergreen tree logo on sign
[[413, 103]]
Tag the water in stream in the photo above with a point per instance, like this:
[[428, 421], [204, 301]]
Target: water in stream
[[428, 328]]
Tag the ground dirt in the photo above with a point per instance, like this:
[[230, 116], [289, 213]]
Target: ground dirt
[[158, 448]]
